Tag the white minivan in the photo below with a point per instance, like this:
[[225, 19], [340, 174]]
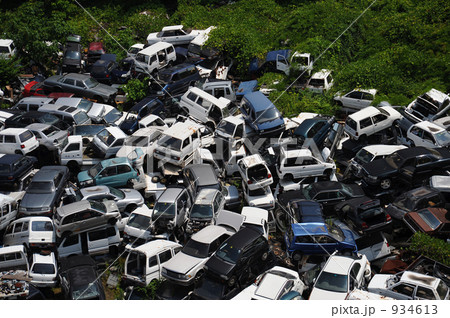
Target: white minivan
[[95, 242], [17, 141], [32, 232], [144, 263], [13, 258], [155, 57]]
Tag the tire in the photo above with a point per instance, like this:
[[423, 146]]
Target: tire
[[198, 276], [280, 219], [328, 172], [18, 152], [98, 99], [297, 257], [385, 184], [130, 208], [232, 281], [288, 177]]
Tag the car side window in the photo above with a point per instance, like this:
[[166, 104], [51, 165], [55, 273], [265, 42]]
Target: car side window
[[10, 139], [416, 131], [365, 123], [428, 137], [404, 289], [185, 143], [123, 169], [379, 118], [69, 81], [164, 256], [321, 196], [18, 228], [355, 95], [425, 293], [97, 235], [239, 131], [367, 96], [152, 261], [80, 84], [304, 239], [109, 171], [71, 240], [423, 160], [355, 270], [73, 147], [325, 240]]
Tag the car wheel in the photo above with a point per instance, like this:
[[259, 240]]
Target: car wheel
[[297, 256], [264, 256], [385, 184], [288, 177], [198, 276], [280, 218], [18, 152], [130, 208], [232, 281]]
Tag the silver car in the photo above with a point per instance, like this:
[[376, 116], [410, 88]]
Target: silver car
[[49, 136], [84, 215], [127, 200]]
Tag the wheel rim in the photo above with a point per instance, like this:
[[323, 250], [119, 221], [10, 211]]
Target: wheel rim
[[385, 184]]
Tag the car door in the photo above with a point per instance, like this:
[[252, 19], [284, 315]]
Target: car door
[[380, 122], [81, 89], [428, 140], [152, 269], [282, 64], [366, 127], [423, 168], [416, 134], [163, 257], [97, 241], [356, 277], [352, 100], [10, 144], [424, 293], [94, 218], [325, 244], [108, 176]]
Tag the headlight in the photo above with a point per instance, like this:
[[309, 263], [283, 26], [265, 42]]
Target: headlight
[[175, 158], [186, 276]]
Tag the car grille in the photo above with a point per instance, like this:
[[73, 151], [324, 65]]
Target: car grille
[[173, 274]]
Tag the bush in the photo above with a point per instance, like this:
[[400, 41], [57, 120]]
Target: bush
[[437, 249], [136, 89]]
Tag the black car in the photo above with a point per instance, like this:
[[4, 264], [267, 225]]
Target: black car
[[102, 71], [78, 277], [148, 105], [175, 80], [410, 165], [72, 58], [14, 171], [212, 289], [364, 215], [327, 193], [239, 258], [32, 117], [415, 199]]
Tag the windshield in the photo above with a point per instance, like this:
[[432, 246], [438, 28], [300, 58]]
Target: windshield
[[196, 249], [73, 55], [363, 156], [201, 211], [91, 82], [442, 138], [394, 160], [86, 292], [40, 187], [141, 141], [139, 221], [164, 209], [95, 170], [429, 219], [112, 116], [170, 142], [208, 64], [309, 192], [316, 82], [258, 192], [228, 253], [85, 105], [226, 127], [267, 115], [335, 232], [80, 117], [50, 131], [118, 193], [332, 282]]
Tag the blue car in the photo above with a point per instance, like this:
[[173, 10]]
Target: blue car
[[262, 115], [117, 172], [316, 128], [148, 105], [317, 238]]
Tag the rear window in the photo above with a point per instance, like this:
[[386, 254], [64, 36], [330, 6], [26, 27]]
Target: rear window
[[4, 168], [26, 135], [351, 123], [41, 226], [43, 268]]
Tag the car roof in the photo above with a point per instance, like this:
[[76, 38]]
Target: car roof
[[95, 45], [182, 130], [272, 55], [204, 173], [419, 279], [99, 189], [243, 237], [258, 101], [323, 73], [216, 101], [327, 185], [154, 246], [5, 42], [172, 27], [143, 102], [115, 161], [383, 149], [429, 126], [154, 48], [12, 248], [337, 264], [413, 151], [9, 158], [253, 160], [38, 126], [35, 99], [34, 218], [14, 131], [364, 113], [205, 196], [176, 68], [254, 215], [170, 194], [293, 153], [73, 207], [78, 76], [209, 233], [76, 261], [44, 259], [236, 120], [47, 173], [115, 131], [270, 286]]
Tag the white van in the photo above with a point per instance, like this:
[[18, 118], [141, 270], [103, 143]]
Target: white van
[[144, 263], [32, 232], [95, 242], [13, 258], [8, 210], [205, 107], [155, 57]]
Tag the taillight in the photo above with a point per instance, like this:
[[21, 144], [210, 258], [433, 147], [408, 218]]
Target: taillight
[[249, 182], [107, 75], [23, 146], [10, 177], [388, 217], [364, 225], [387, 244], [269, 176]]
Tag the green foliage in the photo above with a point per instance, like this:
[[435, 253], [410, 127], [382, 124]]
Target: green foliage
[[437, 249], [149, 291], [136, 89], [8, 71]]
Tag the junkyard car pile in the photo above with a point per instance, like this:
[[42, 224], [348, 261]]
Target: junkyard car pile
[[205, 188]]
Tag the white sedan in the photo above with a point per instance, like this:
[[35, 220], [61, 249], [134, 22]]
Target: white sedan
[[174, 34], [356, 99]]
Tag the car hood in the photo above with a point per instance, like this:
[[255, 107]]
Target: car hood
[[129, 126], [379, 281], [111, 206], [219, 267], [132, 195], [83, 176], [378, 168], [105, 89], [37, 200], [356, 190], [322, 294], [183, 263], [395, 212], [349, 238], [233, 194], [270, 124]]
